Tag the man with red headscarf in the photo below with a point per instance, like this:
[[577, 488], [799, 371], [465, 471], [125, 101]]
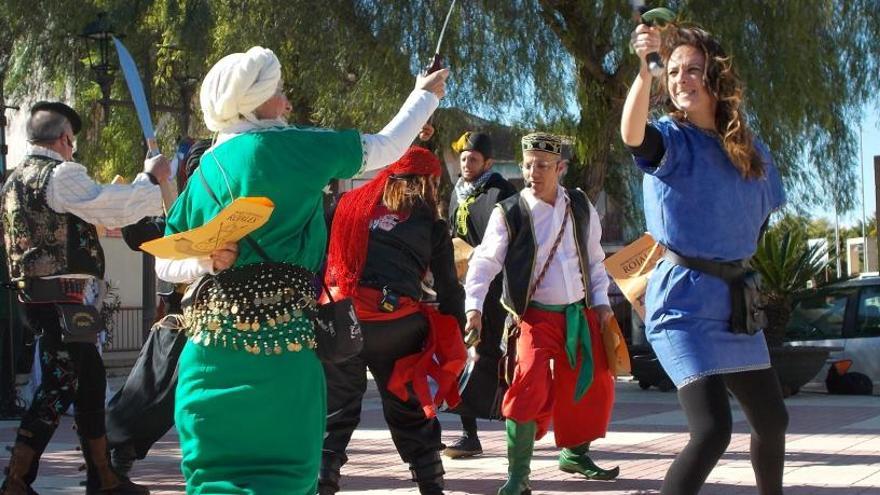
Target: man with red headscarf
[[385, 236]]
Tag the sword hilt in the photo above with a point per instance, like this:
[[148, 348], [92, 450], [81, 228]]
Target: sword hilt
[[655, 17], [152, 148], [167, 187], [472, 337], [435, 65]]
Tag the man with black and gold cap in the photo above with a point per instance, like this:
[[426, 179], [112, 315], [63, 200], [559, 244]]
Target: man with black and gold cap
[[546, 241], [477, 191], [50, 206]]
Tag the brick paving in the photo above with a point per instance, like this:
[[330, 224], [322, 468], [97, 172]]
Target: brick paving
[[833, 448]]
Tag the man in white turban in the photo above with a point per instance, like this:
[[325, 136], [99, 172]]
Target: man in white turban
[[251, 396], [237, 85]]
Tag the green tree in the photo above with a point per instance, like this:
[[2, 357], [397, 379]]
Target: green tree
[[786, 263], [809, 67]]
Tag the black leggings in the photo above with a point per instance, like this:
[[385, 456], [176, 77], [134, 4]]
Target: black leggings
[[706, 405]]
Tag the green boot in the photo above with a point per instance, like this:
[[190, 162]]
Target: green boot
[[576, 460], [520, 442]]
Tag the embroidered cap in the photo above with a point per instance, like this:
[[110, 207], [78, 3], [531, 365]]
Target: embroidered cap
[[474, 141], [542, 141]]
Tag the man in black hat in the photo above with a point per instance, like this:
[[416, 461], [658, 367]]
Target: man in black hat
[[471, 204], [50, 207]]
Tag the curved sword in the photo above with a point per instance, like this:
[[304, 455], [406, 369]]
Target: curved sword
[[437, 61]]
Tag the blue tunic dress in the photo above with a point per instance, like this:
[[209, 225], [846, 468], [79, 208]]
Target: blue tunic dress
[[699, 205]]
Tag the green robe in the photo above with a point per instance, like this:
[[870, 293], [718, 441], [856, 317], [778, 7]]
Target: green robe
[[254, 423]]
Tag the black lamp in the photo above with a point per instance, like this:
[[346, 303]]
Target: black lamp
[[99, 35]]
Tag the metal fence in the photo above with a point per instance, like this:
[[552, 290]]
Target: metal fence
[[128, 330]]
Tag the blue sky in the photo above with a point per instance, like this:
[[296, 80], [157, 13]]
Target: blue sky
[[870, 148]]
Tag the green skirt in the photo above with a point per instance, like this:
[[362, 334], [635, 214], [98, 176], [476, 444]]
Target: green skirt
[[250, 424]]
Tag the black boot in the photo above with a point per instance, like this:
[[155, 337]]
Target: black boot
[[21, 471], [101, 479], [123, 458], [328, 476], [427, 471], [465, 446]]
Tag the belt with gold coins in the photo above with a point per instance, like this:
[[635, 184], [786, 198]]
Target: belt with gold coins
[[261, 308]]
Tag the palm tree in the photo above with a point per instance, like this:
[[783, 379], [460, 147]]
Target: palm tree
[[786, 263]]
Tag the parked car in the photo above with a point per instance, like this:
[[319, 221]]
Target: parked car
[[844, 315]]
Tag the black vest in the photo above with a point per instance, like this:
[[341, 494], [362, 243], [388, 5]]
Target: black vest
[[519, 264], [39, 241], [496, 189]]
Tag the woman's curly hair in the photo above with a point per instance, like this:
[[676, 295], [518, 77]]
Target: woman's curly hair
[[725, 85]]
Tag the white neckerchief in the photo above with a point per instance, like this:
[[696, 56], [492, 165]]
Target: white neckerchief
[[37, 150]]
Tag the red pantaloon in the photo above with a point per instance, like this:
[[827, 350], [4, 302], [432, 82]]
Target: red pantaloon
[[540, 394]]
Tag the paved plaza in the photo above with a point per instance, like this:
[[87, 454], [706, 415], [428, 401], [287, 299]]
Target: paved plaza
[[833, 449]]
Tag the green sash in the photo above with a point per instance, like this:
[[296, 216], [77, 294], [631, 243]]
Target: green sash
[[577, 331]]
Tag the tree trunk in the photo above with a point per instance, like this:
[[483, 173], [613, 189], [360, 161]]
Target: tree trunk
[[601, 104]]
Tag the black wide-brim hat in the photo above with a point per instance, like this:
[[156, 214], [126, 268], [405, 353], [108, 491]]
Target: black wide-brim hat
[[474, 141], [60, 108]]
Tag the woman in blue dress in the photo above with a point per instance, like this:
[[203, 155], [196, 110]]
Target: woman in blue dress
[[709, 188]]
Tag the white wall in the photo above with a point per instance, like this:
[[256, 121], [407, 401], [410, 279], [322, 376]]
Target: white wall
[[15, 134], [124, 270]]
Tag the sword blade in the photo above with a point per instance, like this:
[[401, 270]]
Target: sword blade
[[138, 97], [443, 30]]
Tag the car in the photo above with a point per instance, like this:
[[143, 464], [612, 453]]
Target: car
[[843, 315]]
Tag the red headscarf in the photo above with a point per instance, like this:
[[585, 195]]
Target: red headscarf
[[350, 231]]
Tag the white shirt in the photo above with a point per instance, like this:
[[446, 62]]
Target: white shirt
[[380, 150], [71, 190], [563, 283]]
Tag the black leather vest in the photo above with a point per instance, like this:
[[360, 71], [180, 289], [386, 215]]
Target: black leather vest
[[519, 264]]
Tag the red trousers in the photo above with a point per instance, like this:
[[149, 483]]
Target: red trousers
[[541, 394]]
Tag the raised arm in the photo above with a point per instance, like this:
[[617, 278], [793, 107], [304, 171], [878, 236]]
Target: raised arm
[[635, 109], [390, 143], [72, 190]]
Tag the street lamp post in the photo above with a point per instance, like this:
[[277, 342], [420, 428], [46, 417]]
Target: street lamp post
[[99, 39], [98, 35]]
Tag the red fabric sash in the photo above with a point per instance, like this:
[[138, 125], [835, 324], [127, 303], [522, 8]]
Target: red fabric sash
[[443, 359]]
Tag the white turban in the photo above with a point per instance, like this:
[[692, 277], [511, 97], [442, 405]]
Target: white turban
[[237, 85]]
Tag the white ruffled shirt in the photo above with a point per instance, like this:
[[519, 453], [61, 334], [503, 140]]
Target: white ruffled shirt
[[380, 150], [563, 283]]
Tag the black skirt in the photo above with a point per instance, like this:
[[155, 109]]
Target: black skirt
[[142, 411]]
